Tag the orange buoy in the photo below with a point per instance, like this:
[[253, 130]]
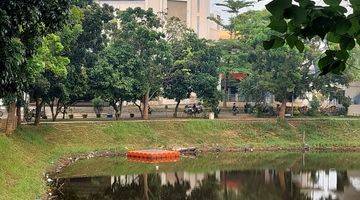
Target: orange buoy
[[153, 156]]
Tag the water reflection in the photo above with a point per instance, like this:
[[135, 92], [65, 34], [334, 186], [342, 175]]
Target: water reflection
[[252, 184]]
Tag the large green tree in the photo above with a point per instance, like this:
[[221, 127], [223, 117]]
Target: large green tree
[[22, 26], [85, 39], [113, 76], [177, 80], [194, 66], [281, 72], [296, 22], [233, 60], [139, 31], [48, 83]]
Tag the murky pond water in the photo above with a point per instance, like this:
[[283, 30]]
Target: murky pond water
[[225, 176]]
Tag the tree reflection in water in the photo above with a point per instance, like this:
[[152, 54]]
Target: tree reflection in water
[[254, 184]]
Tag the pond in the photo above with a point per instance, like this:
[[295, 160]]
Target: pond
[[216, 176]]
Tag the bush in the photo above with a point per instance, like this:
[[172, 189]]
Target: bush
[[314, 107], [261, 110], [98, 105]]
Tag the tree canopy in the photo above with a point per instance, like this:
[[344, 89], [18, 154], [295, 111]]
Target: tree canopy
[[297, 21], [281, 72], [22, 26]]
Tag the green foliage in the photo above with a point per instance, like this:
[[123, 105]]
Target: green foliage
[[112, 78], [234, 6], [314, 107], [84, 40], [48, 85], [194, 68], [281, 72], [48, 57], [272, 72], [22, 25], [147, 52], [354, 64], [296, 22], [98, 105]]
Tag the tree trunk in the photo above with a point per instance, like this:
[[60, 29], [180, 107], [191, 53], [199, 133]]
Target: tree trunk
[[146, 187], [18, 114], [177, 108], [140, 110], [115, 107], [65, 108], [282, 109], [146, 106], [10, 122], [225, 91], [38, 108], [120, 108], [51, 105], [54, 114], [282, 182]]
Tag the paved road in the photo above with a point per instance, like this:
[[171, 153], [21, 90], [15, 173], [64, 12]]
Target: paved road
[[241, 118]]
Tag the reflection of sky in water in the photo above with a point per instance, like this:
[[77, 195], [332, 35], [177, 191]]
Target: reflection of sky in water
[[323, 186]]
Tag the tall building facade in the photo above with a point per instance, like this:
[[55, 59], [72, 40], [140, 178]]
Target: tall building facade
[[194, 13]]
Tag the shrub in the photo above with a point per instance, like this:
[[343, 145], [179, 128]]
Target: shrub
[[314, 107], [98, 105]]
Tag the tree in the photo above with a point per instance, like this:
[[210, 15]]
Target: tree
[[74, 86], [204, 63], [177, 80], [296, 22], [46, 85], [354, 63], [139, 31], [113, 78], [194, 66], [278, 73], [22, 25], [233, 60], [84, 39], [281, 72]]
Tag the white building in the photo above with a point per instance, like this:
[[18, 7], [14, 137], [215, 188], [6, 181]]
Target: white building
[[194, 13], [353, 91]]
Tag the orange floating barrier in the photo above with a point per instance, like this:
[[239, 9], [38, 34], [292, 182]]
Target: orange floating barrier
[[153, 155], [152, 161]]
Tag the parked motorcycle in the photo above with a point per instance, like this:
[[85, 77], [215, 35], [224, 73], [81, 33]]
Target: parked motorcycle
[[31, 114], [193, 110], [235, 110]]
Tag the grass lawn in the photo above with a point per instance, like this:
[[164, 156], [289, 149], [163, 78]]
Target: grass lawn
[[29, 152]]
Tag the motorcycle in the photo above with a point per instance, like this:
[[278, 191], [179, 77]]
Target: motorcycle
[[193, 110], [235, 111], [31, 114]]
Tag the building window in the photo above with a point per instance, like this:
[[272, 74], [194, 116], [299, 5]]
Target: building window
[[198, 6]]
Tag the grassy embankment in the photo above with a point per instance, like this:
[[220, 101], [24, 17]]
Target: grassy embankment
[[27, 154]]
